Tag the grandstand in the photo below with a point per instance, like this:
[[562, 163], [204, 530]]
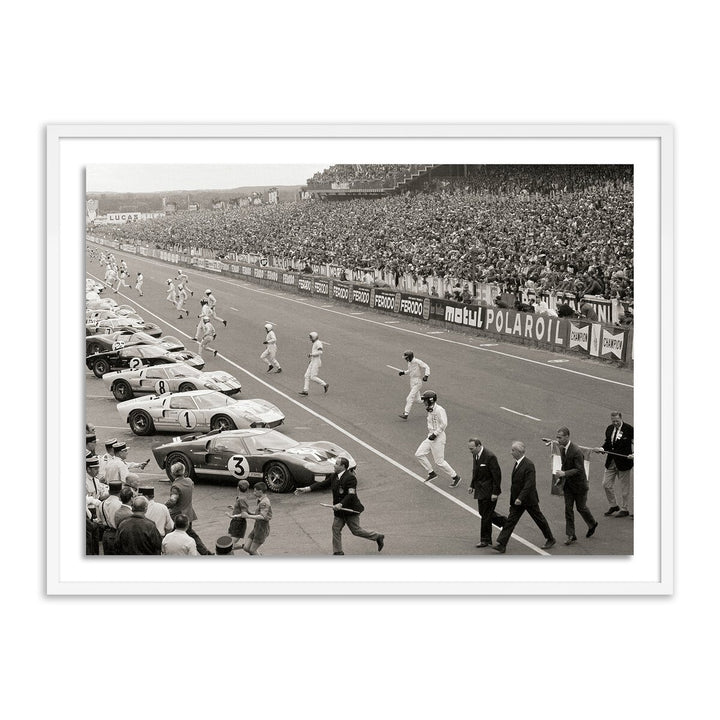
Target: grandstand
[[554, 228]]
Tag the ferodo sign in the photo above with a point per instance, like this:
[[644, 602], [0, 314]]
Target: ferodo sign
[[385, 300], [289, 279], [415, 305], [321, 287], [305, 284], [340, 291], [528, 326], [360, 295]]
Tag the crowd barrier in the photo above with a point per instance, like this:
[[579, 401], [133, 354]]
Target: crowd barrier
[[593, 339]]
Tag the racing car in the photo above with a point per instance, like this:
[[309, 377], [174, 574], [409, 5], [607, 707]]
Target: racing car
[[115, 341], [201, 409], [254, 454], [133, 357], [173, 377], [128, 324]]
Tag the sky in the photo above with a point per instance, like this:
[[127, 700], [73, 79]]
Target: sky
[[154, 178]]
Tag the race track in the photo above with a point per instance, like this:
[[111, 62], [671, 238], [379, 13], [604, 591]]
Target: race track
[[498, 392]]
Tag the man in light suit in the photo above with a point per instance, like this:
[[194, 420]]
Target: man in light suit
[[485, 485], [619, 446], [575, 485], [523, 496]]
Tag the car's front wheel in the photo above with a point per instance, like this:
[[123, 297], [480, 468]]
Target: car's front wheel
[[122, 391], [222, 422], [94, 348], [177, 457], [141, 423], [277, 477], [100, 367]]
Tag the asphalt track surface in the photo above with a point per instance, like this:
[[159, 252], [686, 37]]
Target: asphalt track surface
[[499, 392]]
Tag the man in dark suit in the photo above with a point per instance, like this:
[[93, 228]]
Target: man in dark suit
[[619, 446], [523, 496], [346, 505], [573, 478], [485, 485]]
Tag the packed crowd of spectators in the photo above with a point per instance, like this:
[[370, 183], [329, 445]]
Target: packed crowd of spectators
[[361, 174], [562, 228]]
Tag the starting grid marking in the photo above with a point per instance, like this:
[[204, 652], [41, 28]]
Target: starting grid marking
[[342, 430]]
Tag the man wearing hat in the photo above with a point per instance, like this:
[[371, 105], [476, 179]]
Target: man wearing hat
[[93, 487], [119, 468], [157, 512], [95, 492], [107, 456], [90, 441], [136, 535], [106, 515], [180, 502], [224, 545]]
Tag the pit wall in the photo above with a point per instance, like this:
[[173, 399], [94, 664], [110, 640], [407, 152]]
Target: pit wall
[[599, 340]]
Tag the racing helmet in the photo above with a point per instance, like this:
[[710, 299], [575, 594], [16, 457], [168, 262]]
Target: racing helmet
[[429, 398], [409, 355], [314, 336], [169, 281], [208, 292], [268, 326]]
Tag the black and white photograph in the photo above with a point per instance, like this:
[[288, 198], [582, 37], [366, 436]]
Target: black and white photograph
[[370, 359]]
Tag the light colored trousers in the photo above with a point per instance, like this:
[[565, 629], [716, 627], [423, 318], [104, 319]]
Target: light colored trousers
[[436, 448], [608, 483], [312, 374], [414, 395]]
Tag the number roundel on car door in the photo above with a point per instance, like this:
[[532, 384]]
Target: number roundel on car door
[[161, 387], [187, 419], [239, 466], [135, 363]]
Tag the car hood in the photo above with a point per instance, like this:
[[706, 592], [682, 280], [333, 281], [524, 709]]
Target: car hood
[[221, 379], [258, 408], [190, 358]]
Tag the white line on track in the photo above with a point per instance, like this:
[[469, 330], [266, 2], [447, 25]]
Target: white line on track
[[235, 309], [391, 322], [347, 433], [515, 412], [354, 314], [436, 332], [483, 348]]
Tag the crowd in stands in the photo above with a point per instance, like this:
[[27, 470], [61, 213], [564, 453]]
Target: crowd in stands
[[361, 174], [567, 229]]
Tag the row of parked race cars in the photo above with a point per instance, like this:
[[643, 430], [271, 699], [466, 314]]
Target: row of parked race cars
[[161, 387]]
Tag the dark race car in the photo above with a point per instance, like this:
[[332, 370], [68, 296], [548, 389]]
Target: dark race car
[[132, 357], [254, 454]]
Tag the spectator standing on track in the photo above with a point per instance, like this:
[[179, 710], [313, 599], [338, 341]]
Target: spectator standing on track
[[262, 517], [523, 497], [180, 502], [139, 283], [419, 373], [573, 478], [314, 365], [346, 505], [434, 443], [212, 302], [178, 542], [238, 517], [619, 446], [208, 334], [269, 355], [136, 535], [125, 509], [485, 486], [106, 514], [118, 468], [157, 512]]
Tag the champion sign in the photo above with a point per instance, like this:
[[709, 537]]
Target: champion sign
[[613, 344], [579, 336]]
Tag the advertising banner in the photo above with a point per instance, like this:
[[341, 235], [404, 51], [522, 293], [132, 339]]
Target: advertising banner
[[457, 313], [305, 284], [340, 291], [362, 295], [612, 343], [386, 300], [321, 287], [415, 305], [579, 336], [528, 326], [289, 278]]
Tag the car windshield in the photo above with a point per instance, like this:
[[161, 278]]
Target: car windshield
[[144, 338], [183, 371], [213, 400], [150, 351], [269, 441]]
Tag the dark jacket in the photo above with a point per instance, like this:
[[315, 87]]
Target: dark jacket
[[523, 484], [486, 475], [623, 445], [136, 535], [573, 465], [183, 489], [340, 487]]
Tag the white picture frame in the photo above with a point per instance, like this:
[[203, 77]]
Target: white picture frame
[[70, 148]]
